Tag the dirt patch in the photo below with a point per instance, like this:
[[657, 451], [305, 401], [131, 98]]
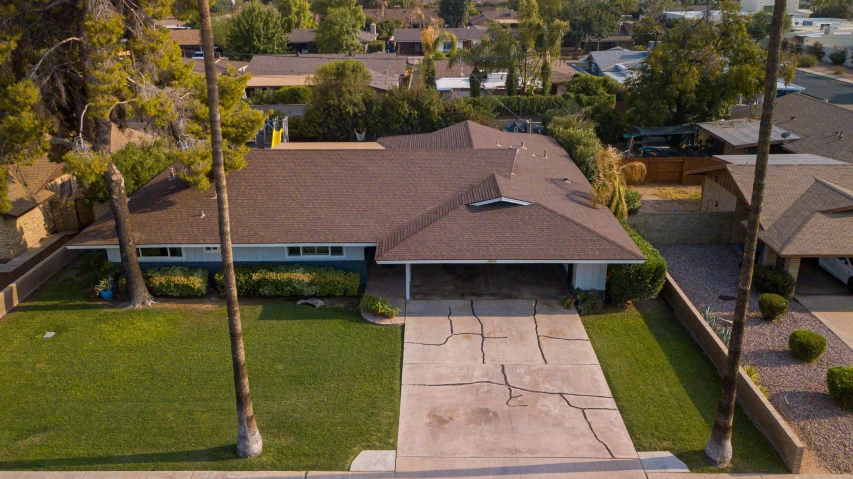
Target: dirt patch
[[669, 198]]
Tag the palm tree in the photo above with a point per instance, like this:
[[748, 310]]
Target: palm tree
[[432, 38], [719, 447], [249, 442], [610, 185]]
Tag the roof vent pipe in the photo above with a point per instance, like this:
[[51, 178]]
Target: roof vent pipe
[[545, 155], [522, 144]]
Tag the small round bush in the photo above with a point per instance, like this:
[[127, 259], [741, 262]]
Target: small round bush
[[808, 60], [634, 201], [840, 382], [772, 306], [806, 345]]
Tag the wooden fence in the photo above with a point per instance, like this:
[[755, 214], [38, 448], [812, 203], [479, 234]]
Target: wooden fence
[[672, 170]]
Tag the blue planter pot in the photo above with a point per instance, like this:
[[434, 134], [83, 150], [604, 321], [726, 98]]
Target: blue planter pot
[[107, 295]]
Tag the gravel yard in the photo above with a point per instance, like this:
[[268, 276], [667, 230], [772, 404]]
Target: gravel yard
[[797, 390]]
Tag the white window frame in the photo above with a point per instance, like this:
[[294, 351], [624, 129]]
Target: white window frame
[[314, 255], [169, 253], [211, 249]]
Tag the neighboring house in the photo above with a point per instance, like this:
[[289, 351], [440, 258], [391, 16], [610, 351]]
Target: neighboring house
[[824, 129], [221, 65], [740, 137], [456, 79], [31, 217], [466, 194], [830, 39], [302, 40], [501, 16], [615, 63], [622, 39], [807, 210], [188, 40], [753, 6], [410, 17], [407, 41], [275, 71]]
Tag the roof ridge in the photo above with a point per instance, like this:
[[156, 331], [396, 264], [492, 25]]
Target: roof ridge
[[838, 188], [605, 238], [419, 223]]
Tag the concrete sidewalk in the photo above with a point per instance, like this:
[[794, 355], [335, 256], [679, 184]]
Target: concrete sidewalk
[[455, 474]]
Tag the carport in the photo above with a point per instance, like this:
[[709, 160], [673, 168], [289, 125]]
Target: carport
[[488, 281]]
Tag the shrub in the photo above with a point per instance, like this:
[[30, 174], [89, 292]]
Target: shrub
[[521, 105], [752, 372], [376, 46], [588, 302], [807, 60], [815, 49], [378, 305], [806, 345], [770, 279], [839, 70], [288, 95], [840, 382], [722, 328], [633, 282], [772, 306], [838, 56], [568, 302], [292, 280], [634, 201], [177, 281], [105, 284]]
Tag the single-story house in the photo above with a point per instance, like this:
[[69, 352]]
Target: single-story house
[[807, 210], [407, 41], [615, 63], [740, 136], [621, 38], [456, 79], [221, 65], [189, 40], [824, 129], [466, 194], [275, 71], [499, 15], [301, 40]]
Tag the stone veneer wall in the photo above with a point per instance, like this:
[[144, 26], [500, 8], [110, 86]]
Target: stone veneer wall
[[20, 233], [688, 227], [759, 409]]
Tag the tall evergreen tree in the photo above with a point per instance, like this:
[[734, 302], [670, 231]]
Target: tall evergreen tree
[[454, 12], [296, 14], [257, 29], [338, 31]]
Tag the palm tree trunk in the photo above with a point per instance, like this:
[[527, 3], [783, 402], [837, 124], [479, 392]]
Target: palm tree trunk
[[249, 442], [719, 447]]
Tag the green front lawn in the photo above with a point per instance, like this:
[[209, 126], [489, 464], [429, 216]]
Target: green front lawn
[[667, 389], [153, 389]]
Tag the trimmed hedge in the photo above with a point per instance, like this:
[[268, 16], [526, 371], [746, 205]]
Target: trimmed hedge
[[521, 105], [634, 282], [840, 382], [176, 281], [772, 306], [375, 304], [806, 345], [292, 280], [770, 279]]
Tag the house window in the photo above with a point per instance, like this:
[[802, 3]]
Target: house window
[[160, 252], [315, 250], [447, 46], [211, 249]]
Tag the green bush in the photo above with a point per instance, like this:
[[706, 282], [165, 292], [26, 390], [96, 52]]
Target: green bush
[[838, 56], [634, 201], [770, 279], [378, 305], [807, 60], [772, 306], [568, 302], [755, 377], [840, 382], [521, 105], [588, 302], [288, 95], [376, 46], [292, 280], [634, 282], [806, 345], [815, 49], [176, 281]]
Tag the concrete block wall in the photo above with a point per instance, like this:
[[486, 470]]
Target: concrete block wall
[[29, 282], [759, 409], [690, 227]]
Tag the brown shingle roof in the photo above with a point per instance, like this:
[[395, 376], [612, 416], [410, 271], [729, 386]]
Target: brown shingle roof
[[796, 217], [308, 35], [27, 183], [413, 201], [405, 15], [186, 37], [816, 122], [413, 35], [742, 133], [308, 64]]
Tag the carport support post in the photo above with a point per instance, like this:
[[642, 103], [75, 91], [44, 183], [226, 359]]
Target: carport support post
[[408, 281]]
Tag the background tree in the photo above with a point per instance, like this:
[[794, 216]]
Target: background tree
[[433, 38], [221, 27], [454, 12], [338, 31], [257, 29], [295, 14], [719, 446], [597, 96], [341, 99], [759, 25], [427, 72], [322, 7], [697, 72], [833, 8], [139, 164], [249, 442], [591, 19], [645, 30]]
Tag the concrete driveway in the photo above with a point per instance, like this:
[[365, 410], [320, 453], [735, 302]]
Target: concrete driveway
[[496, 388], [836, 312]]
